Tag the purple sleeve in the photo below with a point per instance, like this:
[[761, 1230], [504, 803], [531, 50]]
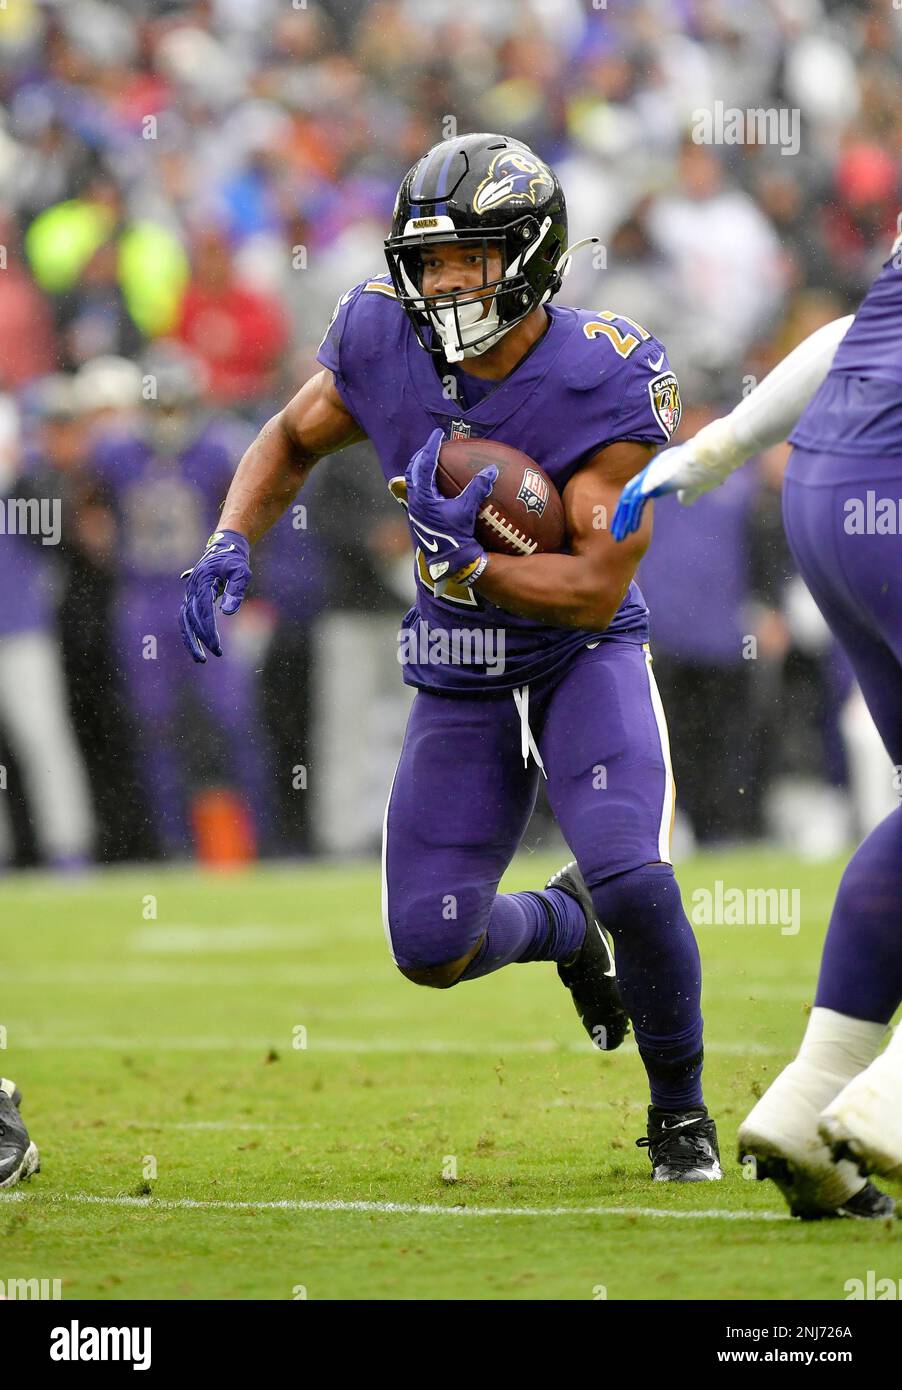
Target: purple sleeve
[[650, 407], [333, 346]]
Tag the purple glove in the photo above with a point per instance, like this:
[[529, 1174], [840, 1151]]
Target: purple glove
[[222, 570], [444, 526]]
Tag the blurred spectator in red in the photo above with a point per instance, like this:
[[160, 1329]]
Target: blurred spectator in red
[[862, 220], [238, 332], [27, 347]]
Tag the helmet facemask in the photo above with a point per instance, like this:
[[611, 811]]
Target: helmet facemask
[[458, 325]]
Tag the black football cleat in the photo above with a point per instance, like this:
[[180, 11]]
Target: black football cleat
[[868, 1203], [18, 1155], [682, 1145], [590, 976]]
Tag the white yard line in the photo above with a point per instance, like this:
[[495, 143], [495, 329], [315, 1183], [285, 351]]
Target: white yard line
[[363, 1046], [235, 974], [387, 1208], [213, 976]]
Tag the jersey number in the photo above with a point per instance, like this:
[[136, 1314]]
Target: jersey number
[[623, 343]]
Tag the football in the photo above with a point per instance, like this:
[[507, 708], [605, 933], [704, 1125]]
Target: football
[[523, 514]]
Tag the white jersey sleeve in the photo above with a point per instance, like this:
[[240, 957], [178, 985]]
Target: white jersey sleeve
[[768, 414]]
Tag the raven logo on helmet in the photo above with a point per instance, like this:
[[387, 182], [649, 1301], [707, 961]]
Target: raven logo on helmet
[[513, 177]]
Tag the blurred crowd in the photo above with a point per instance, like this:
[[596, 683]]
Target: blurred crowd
[[187, 187]]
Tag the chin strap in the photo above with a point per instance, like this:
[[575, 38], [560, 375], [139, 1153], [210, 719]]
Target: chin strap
[[562, 269]]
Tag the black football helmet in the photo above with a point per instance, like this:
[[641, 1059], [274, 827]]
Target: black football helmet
[[490, 190]]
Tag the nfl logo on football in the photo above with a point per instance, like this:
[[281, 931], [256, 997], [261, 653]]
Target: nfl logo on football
[[533, 491]]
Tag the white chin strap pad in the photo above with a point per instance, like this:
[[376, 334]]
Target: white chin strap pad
[[472, 324]]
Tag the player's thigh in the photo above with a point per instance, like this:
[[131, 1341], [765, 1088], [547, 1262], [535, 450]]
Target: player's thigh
[[878, 671], [606, 751], [855, 580], [458, 806]]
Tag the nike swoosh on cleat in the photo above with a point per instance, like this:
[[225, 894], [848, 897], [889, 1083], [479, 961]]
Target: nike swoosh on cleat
[[611, 971], [682, 1124]]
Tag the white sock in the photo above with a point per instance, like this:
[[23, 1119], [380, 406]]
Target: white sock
[[835, 1049], [869, 1110], [836, 1045], [894, 1046]]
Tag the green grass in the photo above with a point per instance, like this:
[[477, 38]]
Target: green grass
[[171, 1040]]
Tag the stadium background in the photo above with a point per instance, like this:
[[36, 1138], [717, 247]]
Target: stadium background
[[185, 190]]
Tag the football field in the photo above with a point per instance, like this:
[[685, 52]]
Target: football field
[[236, 1095]]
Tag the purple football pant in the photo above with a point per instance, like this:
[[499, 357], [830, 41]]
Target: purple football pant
[[166, 696], [460, 803], [856, 581]]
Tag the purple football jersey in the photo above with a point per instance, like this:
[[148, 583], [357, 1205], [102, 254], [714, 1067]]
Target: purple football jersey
[[593, 378], [858, 408], [164, 502]]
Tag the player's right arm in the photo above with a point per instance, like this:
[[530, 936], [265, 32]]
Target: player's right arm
[[315, 422]]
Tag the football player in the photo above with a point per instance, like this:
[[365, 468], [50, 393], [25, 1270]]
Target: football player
[[18, 1154], [161, 476], [835, 1113], [460, 339]]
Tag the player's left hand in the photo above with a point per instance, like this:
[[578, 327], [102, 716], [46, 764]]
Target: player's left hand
[[445, 526], [222, 572]]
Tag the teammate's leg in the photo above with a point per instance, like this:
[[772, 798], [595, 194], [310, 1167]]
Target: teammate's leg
[[860, 983], [459, 804], [863, 1124], [861, 969]]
